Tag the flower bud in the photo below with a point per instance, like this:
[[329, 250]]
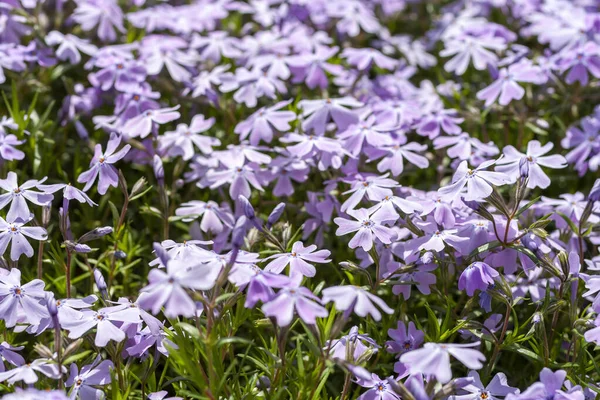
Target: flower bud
[[239, 233], [81, 248], [524, 168], [161, 253], [247, 207], [595, 192], [120, 255], [159, 170], [101, 283], [138, 187], [46, 209], [249, 212], [275, 215], [51, 305], [96, 233]]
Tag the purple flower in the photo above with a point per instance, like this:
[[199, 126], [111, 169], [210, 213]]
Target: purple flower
[[353, 298], [364, 58], [297, 260], [9, 354], [69, 46], [465, 49], [250, 85], [83, 382], [15, 232], [35, 394], [464, 147], [312, 67], [477, 276], [318, 113], [27, 372], [434, 359], [238, 174], [549, 388], [433, 123], [434, 239], [188, 249], [162, 395], [300, 299], [507, 87], [263, 123], [495, 390], [379, 389], [168, 288], [376, 188], [351, 347], [395, 154], [69, 192], [404, 339], [214, 218], [101, 165], [580, 60], [104, 320], [181, 142], [216, 44], [18, 195], [366, 227], [478, 181], [7, 146], [101, 16], [369, 131], [511, 164], [142, 125]]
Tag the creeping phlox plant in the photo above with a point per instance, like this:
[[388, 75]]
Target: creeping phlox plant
[[292, 199]]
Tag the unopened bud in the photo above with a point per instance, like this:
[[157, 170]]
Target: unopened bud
[[595, 192], [95, 234], [138, 187], [46, 209], [159, 170], [275, 215], [101, 283], [239, 233]]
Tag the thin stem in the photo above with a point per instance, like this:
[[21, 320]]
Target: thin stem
[[68, 273], [40, 259], [116, 246], [346, 387], [500, 340]]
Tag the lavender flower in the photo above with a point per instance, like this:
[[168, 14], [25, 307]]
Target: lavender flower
[[297, 260], [101, 165], [367, 227], [353, 298], [290, 299], [167, 288], [477, 276], [18, 195], [14, 233], [83, 382], [434, 359]]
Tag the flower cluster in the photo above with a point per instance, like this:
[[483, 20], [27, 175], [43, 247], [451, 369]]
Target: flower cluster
[[372, 199]]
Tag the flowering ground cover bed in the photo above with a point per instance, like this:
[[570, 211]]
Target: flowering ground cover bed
[[291, 199]]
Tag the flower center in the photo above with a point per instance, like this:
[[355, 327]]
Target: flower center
[[101, 160], [79, 382], [484, 395], [294, 254]]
